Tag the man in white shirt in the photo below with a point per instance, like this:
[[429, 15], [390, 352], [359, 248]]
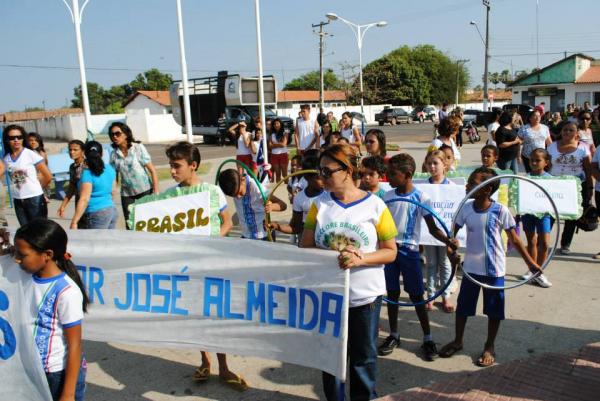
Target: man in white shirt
[[306, 134]]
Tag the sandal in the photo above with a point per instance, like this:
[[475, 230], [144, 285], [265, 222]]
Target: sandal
[[491, 359], [448, 307], [236, 383], [449, 349], [201, 374], [429, 306]]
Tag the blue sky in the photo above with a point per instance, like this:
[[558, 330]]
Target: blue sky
[[140, 34]]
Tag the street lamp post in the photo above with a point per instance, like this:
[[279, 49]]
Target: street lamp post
[[261, 89], [457, 75], [187, 114], [486, 43], [76, 15], [359, 33]]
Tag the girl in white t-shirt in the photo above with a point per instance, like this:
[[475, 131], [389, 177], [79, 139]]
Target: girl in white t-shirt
[[447, 129], [24, 166], [437, 264], [585, 130], [60, 301], [350, 132], [534, 135], [243, 144]]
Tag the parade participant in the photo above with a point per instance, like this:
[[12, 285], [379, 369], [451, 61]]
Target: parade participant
[[349, 131], [279, 152], [538, 229], [585, 130], [296, 183], [446, 130], [326, 131], [372, 170], [332, 120], [359, 226], [493, 127], [61, 300], [450, 161], [134, 167], [306, 135], [407, 216], [75, 169], [184, 161], [437, 263], [489, 156], [249, 203], [485, 220], [36, 143], [534, 135], [304, 198], [243, 144], [596, 175], [508, 143], [570, 157], [97, 187], [375, 143], [28, 173], [555, 125]]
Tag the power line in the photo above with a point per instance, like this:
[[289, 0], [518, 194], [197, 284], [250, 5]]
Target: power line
[[546, 53]]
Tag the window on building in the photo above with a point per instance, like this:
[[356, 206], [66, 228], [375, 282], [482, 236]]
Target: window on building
[[581, 98], [596, 98]]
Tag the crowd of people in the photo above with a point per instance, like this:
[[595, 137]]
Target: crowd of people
[[372, 192]]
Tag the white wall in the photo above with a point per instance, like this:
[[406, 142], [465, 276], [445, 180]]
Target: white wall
[[151, 128], [370, 111], [142, 102], [479, 105]]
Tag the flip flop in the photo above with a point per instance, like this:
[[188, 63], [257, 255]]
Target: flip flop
[[448, 350], [492, 360], [448, 308], [201, 374], [237, 383]]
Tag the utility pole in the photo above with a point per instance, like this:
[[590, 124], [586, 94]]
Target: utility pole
[[486, 3], [322, 35], [457, 75]]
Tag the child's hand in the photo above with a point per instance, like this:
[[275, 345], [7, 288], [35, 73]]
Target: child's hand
[[269, 207], [535, 269], [453, 244], [275, 226], [454, 259]]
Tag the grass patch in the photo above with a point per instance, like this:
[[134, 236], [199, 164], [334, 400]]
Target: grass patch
[[164, 173]]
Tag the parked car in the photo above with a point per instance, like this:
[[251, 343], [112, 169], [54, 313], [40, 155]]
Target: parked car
[[470, 115], [522, 109], [427, 113], [485, 118], [392, 116]]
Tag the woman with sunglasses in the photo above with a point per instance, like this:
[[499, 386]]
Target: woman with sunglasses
[[24, 166], [359, 226], [133, 165], [585, 130]]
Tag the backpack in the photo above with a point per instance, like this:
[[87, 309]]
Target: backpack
[[588, 220]]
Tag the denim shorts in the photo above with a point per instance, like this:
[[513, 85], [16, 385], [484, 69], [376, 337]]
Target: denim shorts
[[56, 381], [541, 225], [104, 218]]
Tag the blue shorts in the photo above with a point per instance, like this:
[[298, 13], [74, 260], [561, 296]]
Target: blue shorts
[[541, 225], [409, 264], [493, 300]]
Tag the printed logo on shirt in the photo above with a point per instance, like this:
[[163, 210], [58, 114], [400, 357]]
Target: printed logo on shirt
[[337, 235]]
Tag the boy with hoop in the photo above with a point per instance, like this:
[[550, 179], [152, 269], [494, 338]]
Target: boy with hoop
[[485, 261]]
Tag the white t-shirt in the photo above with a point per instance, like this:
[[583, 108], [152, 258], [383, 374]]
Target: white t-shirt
[[533, 140], [58, 304], [23, 174], [251, 211], [277, 151], [568, 163], [302, 203], [363, 224], [348, 133], [407, 216], [438, 143], [491, 129], [596, 159], [485, 254], [242, 149], [306, 133]]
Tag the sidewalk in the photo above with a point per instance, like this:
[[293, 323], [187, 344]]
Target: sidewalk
[[569, 377]]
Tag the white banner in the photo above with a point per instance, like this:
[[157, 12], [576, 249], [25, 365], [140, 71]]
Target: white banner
[[444, 201], [185, 214], [564, 193], [21, 372], [216, 294]]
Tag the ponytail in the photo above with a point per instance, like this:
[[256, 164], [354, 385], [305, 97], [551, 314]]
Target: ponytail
[[43, 235], [93, 157]]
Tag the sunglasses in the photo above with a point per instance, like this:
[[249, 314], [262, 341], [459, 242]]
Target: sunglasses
[[116, 134], [326, 172], [370, 142], [15, 137], [586, 118]]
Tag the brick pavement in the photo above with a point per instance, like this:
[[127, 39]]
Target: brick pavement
[[549, 377]]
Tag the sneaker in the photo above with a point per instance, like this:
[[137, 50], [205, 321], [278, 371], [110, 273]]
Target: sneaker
[[388, 346], [542, 281], [430, 350], [596, 256], [565, 250], [526, 276]]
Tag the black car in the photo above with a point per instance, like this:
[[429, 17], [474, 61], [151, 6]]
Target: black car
[[392, 116]]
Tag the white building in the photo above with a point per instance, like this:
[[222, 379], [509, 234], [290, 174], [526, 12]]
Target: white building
[[575, 79], [157, 102]]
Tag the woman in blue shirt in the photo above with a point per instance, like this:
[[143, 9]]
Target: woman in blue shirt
[[95, 208]]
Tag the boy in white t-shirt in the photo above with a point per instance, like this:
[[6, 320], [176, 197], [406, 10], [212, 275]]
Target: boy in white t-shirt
[[248, 200], [596, 175], [485, 260]]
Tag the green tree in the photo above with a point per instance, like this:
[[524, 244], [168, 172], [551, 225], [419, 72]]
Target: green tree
[[311, 81], [417, 76], [505, 77], [152, 79], [96, 98]]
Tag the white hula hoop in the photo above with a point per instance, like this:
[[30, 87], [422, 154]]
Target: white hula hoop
[[556, 239]]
